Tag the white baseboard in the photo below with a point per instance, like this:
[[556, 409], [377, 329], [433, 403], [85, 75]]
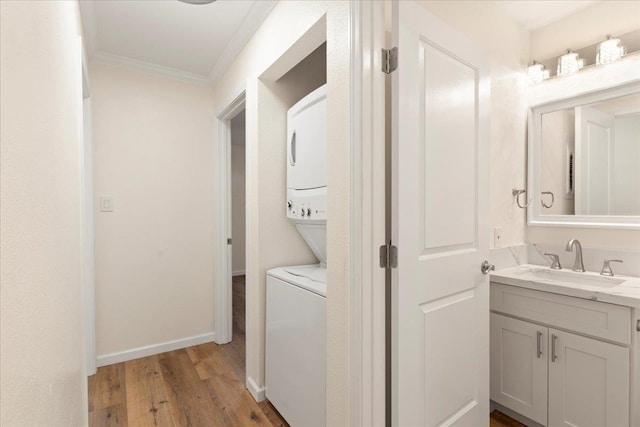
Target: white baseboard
[[150, 350], [256, 391], [238, 273]]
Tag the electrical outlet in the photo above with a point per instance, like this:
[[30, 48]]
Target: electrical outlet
[[497, 237]]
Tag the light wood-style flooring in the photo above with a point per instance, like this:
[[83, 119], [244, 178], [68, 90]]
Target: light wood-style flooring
[[200, 386]]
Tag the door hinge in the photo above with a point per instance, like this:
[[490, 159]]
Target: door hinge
[[388, 256], [389, 60], [229, 241]]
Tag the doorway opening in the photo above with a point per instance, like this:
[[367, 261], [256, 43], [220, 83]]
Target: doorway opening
[[238, 230]]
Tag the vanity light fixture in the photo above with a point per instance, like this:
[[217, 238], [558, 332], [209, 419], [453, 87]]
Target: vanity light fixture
[[537, 72], [569, 63], [610, 51]]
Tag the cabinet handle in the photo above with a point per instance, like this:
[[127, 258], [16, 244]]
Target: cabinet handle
[[539, 350], [553, 347]]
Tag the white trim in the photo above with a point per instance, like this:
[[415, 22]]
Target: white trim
[[367, 382], [150, 350], [256, 391], [257, 14], [223, 295], [86, 211], [252, 21], [629, 84], [588, 80], [148, 67], [238, 272]]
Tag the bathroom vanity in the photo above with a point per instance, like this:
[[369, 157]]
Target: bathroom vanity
[[565, 347]]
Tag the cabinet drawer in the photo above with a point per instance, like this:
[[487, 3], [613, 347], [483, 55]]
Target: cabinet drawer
[[598, 319]]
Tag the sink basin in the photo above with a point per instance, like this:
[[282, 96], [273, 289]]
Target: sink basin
[[573, 277]]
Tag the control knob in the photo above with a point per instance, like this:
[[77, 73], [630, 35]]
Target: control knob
[[308, 211]]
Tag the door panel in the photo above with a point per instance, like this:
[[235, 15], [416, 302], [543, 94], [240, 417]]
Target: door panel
[[447, 107], [447, 364], [594, 161], [588, 382], [519, 366], [440, 309]]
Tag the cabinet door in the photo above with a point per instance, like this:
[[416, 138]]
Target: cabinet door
[[519, 366], [588, 382]]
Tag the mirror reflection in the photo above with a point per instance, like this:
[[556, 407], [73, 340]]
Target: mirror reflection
[[590, 159]]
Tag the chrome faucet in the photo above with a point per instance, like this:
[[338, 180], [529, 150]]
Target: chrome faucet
[[578, 265]]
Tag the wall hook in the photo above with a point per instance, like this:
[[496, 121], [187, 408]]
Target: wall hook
[[516, 193], [544, 205]]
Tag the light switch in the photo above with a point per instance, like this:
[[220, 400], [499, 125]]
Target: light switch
[[106, 203]]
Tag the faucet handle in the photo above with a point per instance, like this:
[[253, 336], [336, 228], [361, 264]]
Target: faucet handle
[[606, 268], [555, 261]]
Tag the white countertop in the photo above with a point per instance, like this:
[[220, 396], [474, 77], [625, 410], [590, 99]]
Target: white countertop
[[626, 293]]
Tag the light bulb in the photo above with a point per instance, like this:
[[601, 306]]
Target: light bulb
[[569, 63], [537, 72], [610, 51]]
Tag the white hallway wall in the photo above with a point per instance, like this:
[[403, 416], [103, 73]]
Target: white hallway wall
[[43, 379], [283, 27], [584, 29], [153, 153]]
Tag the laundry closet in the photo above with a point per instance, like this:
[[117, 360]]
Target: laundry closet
[[295, 337]]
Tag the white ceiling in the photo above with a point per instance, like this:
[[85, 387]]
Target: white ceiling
[[533, 14], [194, 42]]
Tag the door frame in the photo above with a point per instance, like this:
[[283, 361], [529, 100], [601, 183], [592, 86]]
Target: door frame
[[367, 281], [87, 216], [223, 308]]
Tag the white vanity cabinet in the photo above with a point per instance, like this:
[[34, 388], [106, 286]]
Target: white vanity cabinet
[[559, 360], [588, 382], [519, 366]]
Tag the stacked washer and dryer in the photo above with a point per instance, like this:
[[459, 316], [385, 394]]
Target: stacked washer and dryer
[[296, 296]]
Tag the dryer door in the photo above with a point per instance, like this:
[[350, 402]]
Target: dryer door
[[307, 142]]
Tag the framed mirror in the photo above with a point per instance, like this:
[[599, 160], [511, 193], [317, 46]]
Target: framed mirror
[[584, 160]]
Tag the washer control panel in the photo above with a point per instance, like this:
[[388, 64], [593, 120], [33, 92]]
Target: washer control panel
[[307, 204]]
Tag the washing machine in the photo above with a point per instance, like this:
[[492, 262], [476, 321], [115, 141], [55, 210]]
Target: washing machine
[[296, 343]]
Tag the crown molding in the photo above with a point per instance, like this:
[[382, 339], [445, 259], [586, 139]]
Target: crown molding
[[258, 12], [125, 62]]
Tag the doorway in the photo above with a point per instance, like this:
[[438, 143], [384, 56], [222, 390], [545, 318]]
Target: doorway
[[229, 130], [238, 230]]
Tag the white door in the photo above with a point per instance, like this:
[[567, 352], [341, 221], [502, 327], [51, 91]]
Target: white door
[[519, 366], [594, 161], [588, 382], [440, 301]]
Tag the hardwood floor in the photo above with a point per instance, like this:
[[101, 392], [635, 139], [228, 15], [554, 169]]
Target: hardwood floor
[[498, 419], [199, 386]]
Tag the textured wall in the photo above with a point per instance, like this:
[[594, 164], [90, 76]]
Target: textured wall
[[153, 152], [43, 379]]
